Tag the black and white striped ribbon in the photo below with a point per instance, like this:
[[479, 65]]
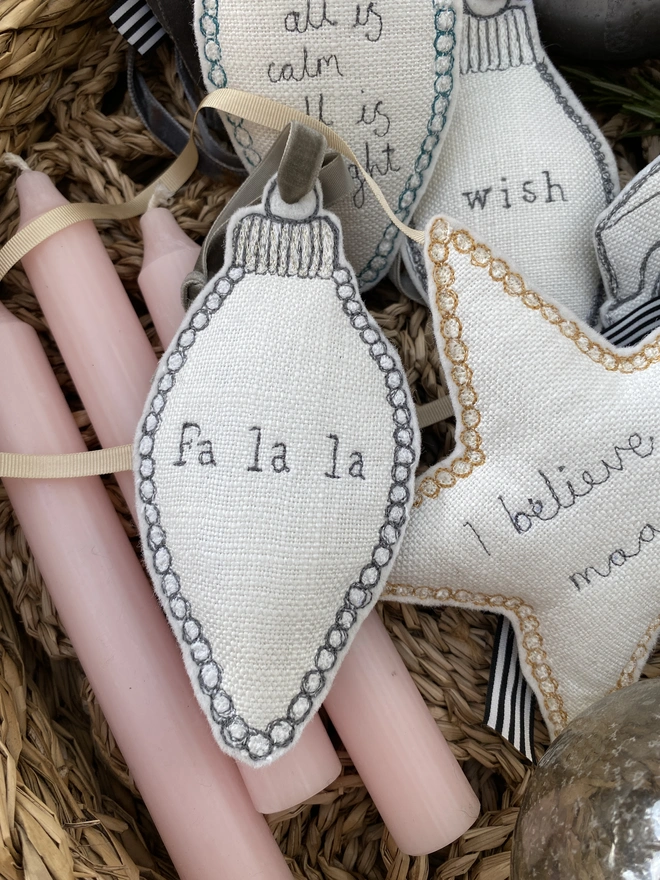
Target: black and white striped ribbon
[[510, 703], [136, 23], [635, 326]]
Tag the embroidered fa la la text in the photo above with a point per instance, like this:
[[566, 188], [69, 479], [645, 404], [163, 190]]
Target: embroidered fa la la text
[[275, 464]]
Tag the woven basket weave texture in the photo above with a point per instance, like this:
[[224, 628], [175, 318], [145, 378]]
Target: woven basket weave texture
[[68, 804]]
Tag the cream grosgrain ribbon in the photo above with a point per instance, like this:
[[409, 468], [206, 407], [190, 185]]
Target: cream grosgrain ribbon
[[248, 106]]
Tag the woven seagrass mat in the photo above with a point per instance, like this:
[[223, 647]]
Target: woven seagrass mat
[[68, 805]]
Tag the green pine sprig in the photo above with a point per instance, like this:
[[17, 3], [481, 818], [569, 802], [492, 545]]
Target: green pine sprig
[[629, 92]]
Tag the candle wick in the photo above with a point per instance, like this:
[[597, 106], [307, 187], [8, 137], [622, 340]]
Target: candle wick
[[162, 196], [14, 161]]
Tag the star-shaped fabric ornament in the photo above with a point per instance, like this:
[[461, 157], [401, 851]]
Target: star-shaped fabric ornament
[[548, 510]]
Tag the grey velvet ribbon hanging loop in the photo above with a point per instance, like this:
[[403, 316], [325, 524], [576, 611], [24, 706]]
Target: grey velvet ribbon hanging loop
[[301, 162], [299, 158], [174, 19], [214, 159]]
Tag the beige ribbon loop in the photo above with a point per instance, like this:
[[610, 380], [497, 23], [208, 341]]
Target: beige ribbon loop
[[68, 465], [435, 411], [253, 108], [66, 215], [272, 114], [114, 459]]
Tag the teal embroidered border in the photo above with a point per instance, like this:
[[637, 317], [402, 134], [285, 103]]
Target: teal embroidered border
[[209, 27], [445, 45]]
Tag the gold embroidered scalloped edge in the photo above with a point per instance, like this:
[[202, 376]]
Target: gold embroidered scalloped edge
[[442, 238], [532, 640], [641, 652], [456, 352]]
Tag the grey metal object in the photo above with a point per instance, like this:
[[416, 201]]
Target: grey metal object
[[591, 809], [600, 30]]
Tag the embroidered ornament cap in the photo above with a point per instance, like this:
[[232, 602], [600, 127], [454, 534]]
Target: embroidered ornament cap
[[523, 164], [547, 511], [275, 469], [381, 74]]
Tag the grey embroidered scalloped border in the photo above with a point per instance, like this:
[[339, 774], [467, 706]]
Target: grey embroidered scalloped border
[[445, 48], [549, 76], [258, 745]]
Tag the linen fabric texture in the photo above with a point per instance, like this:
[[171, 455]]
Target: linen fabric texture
[[547, 511], [509, 703], [382, 75], [523, 163], [271, 507]]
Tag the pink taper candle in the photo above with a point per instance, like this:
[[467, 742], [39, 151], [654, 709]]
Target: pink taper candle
[[311, 764], [94, 324], [111, 362], [422, 795], [411, 774], [193, 791], [168, 257]]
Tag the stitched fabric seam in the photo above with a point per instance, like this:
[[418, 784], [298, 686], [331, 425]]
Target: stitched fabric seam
[[595, 145], [532, 640], [441, 105], [506, 54], [632, 669], [441, 240], [209, 27]]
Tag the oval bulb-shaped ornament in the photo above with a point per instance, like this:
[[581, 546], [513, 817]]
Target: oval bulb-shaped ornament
[[275, 465], [382, 75], [523, 163]]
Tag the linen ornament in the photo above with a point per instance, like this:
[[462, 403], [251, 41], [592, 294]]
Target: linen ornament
[[627, 238], [547, 511], [628, 253], [523, 163], [274, 467], [380, 73]]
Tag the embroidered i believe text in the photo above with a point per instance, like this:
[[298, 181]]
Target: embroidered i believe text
[[561, 493]]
